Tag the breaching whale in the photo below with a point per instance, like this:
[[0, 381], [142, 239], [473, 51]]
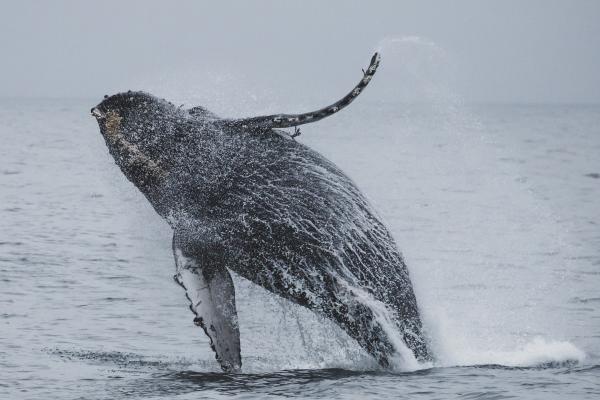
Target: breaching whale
[[245, 196]]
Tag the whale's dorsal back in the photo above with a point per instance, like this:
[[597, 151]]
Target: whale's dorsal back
[[292, 120], [202, 113]]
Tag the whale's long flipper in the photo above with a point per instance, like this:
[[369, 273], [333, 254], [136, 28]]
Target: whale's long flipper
[[209, 288], [292, 120]]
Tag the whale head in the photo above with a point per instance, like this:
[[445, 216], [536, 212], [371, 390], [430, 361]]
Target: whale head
[[137, 117], [138, 123], [138, 131]]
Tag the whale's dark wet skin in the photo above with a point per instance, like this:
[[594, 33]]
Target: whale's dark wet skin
[[243, 196]]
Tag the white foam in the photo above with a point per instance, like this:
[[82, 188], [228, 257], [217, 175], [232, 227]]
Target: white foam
[[456, 347], [539, 351], [457, 343]]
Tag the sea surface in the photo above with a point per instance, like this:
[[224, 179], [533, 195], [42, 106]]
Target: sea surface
[[495, 207]]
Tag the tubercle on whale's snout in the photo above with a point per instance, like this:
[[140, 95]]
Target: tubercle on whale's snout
[[96, 113]]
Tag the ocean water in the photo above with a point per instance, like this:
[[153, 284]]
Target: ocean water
[[495, 208]]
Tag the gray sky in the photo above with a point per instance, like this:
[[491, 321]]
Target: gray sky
[[498, 51]]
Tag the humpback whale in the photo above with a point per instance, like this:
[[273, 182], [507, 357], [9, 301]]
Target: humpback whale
[[243, 195]]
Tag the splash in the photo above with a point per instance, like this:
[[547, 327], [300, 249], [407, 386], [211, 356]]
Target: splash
[[485, 254], [536, 353], [416, 70]]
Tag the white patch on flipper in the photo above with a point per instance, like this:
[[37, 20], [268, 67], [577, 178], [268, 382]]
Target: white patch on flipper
[[213, 303]]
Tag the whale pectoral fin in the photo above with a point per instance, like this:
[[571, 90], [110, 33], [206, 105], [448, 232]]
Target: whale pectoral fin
[[267, 122], [211, 293]]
